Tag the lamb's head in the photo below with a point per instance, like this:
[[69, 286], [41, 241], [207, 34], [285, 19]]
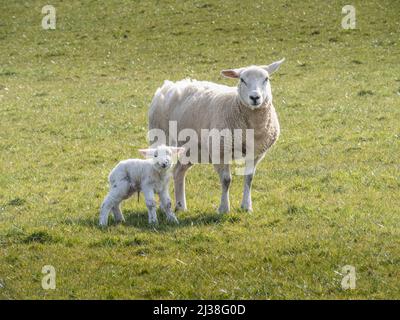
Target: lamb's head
[[254, 87], [162, 156]]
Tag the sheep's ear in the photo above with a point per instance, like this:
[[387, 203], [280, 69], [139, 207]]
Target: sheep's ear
[[231, 73], [177, 150], [147, 153], [273, 66]]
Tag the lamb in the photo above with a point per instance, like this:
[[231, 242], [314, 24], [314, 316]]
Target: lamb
[[199, 105], [150, 175]]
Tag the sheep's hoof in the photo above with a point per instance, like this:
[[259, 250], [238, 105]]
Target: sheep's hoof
[[119, 221], [246, 209], [223, 209], [180, 207]]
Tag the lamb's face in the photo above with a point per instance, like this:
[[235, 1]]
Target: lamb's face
[[162, 156], [254, 87]]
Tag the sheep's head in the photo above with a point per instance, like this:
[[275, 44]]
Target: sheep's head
[[254, 86], [162, 156]]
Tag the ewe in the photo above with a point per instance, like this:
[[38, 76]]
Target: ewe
[[199, 105], [134, 175]]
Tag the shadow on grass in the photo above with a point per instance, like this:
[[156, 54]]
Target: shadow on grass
[[139, 219]]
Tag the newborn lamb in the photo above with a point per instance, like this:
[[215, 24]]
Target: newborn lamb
[[151, 176]]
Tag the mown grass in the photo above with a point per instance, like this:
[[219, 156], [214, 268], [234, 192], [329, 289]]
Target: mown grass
[[73, 102]]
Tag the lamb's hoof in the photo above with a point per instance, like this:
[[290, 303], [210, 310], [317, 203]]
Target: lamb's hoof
[[119, 221], [103, 223], [172, 219], [153, 222]]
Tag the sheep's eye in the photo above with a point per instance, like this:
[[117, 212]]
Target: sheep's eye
[[243, 81], [266, 79]]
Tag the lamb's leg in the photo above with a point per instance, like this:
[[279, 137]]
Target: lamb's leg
[[179, 183], [150, 204], [118, 190], [225, 179], [106, 206], [248, 179], [118, 216], [165, 202], [111, 202]]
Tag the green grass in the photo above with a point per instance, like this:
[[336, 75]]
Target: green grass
[[73, 102]]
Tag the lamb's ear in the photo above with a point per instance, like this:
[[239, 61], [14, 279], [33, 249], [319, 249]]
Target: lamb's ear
[[232, 73], [273, 66], [177, 150], [147, 153]]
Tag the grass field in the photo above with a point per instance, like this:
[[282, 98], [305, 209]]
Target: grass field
[[73, 102]]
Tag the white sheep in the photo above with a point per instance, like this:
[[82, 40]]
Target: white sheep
[[150, 175], [199, 105]]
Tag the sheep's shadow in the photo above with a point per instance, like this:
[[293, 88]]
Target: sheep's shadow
[[139, 219]]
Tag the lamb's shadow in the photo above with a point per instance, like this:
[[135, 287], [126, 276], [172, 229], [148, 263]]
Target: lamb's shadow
[[132, 218], [139, 219]]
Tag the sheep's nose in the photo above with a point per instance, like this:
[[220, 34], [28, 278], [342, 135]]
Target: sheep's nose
[[255, 98]]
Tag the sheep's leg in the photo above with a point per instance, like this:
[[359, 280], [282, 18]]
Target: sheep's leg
[[150, 204], [118, 216], [248, 180], [165, 202], [118, 192], [246, 201], [179, 183], [225, 179]]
